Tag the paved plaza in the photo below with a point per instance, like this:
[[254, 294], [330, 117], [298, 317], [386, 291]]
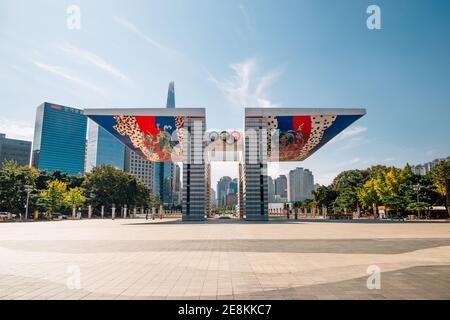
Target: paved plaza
[[135, 259]]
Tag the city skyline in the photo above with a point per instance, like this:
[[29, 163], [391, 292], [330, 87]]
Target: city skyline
[[260, 61]]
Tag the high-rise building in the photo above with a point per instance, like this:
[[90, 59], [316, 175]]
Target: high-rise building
[[281, 186], [165, 171], [213, 198], [423, 169], [301, 185], [17, 150], [141, 169], [59, 139], [103, 149], [233, 187], [171, 96], [231, 199], [223, 186], [271, 189], [177, 185]]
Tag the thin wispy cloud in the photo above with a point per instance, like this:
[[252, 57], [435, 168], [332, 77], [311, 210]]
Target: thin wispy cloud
[[350, 138], [93, 59], [128, 25], [15, 129], [352, 143], [247, 21], [247, 87], [349, 162], [68, 75], [351, 132], [134, 29]]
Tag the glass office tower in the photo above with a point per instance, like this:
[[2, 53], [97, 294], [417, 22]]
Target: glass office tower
[[59, 139], [165, 172], [103, 149]]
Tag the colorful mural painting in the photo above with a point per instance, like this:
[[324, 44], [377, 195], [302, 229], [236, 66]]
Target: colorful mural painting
[[154, 138], [295, 138]]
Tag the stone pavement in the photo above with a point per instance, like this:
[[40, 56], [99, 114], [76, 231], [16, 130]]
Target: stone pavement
[[134, 259]]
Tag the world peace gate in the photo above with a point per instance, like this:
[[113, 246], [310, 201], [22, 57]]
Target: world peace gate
[[269, 135]]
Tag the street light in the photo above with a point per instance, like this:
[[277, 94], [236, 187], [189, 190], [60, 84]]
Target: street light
[[28, 190], [416, 188]]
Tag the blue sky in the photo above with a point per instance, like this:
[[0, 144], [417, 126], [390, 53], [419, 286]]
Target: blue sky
[[223, 55]]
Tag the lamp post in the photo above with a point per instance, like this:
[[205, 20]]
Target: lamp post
[[416, 188], [28, 190]]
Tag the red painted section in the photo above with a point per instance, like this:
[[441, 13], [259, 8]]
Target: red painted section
[[147, 124]]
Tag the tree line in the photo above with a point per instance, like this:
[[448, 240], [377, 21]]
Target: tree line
[[397, 189], [59, 192]]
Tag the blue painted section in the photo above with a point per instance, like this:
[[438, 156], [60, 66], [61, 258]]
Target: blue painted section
[[340, 124]]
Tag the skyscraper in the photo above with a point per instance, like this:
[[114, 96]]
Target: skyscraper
[[165, 172], [171, 96], [233, 187], [301, 185], [423, 169], [141, 169], [103, 149], [223, 186], [281, 186], [17, 150], [213, 198], [271, 189], [59, 139]]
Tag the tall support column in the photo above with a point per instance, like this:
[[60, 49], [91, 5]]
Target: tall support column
[[208, 189], [194, 177], [255, 195], [241, 191]]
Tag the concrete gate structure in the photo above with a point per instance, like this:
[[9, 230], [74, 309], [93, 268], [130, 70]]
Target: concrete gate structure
[[270, 135]]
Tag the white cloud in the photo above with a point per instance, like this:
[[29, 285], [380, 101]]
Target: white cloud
[[349, 162], [247, 87], [15, 129], [275, 169], [93, 59], [350, 138], [350, 132], [131, 27], [352, 143], [66, 74], [246, 16]]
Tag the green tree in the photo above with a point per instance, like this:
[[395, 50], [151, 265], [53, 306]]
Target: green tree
[[107, 185], [308, 203], [13, 179], [368, 195], [440, 173], [52, 199], [395, 188], [325, 196], [346, 185], [153, 200], [74, 198], [376, 171]]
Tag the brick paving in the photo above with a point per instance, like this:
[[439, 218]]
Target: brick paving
[[134, 259]]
